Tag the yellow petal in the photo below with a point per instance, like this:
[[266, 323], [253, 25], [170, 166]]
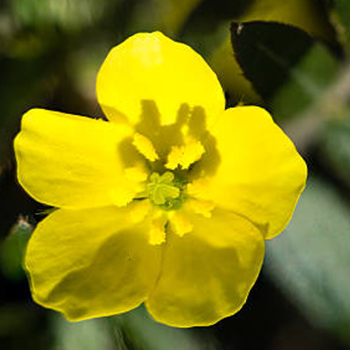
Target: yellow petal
[[261, 174], [70, 161], [202, 207], [91, 262], [150, 69], [208, 273]]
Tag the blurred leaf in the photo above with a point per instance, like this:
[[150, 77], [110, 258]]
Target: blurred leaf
[[146, 334], [22, 80], [336, 145], [207, 28], [167, 16], [306, 82], [68, 14], [13, 248], [83, 65], [86, 335], [327, 107], [341, 17], [310, 261], [22, 326]]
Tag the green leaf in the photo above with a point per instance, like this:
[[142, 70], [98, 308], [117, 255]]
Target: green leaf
[[267, 51], [309, 16], [341, 17], [86, 335], [336, 145], [13, 248], [310, 261], [287, 67]]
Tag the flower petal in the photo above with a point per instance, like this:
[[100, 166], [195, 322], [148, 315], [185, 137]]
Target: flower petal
[[208, 273], [70, 161], [260, 173], [151, 68], [91, 262]]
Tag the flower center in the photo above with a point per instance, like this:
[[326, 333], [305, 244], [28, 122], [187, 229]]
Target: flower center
[[165, 191]]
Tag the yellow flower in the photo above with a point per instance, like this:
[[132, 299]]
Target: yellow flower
[[168, 203]]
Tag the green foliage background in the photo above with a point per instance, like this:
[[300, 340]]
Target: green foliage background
[[291, 57]]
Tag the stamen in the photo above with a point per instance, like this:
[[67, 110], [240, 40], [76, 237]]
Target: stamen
[[180, 224], [157, 231], [185, 155], [192, 152], [174, 157], [145, 147]]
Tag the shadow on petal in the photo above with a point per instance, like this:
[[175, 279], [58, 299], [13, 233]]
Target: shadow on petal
[[118, 279]]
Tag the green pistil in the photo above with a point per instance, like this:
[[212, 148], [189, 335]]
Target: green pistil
[[164, 191]]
